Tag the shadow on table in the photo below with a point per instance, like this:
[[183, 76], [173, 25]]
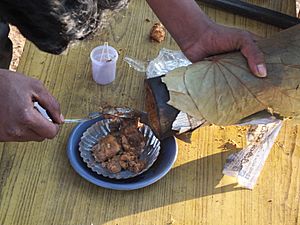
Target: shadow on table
[[183, 183]]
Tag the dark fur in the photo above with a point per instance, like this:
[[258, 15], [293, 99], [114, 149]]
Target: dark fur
[[52, 24], [5, 46]]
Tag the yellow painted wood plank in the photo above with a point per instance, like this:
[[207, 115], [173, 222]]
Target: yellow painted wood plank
[[38, 185]]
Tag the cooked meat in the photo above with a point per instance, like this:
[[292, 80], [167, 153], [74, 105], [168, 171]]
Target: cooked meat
[[126, 158], [136, 166], [107, 147], [158, 32], [132, 139], [113, 164], [122, 148]]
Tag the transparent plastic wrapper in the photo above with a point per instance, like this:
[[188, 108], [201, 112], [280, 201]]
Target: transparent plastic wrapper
[[261, 136], [166, 61]]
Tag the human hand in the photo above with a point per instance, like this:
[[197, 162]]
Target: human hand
[[220, 39], [19, 120]]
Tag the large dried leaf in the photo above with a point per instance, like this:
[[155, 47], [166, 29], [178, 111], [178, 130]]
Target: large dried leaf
[[223, 91]]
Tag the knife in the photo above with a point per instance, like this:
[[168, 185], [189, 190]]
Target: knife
[[143, 115]]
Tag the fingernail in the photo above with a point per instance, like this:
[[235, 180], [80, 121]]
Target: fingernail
[[62, 118], [262, 70]]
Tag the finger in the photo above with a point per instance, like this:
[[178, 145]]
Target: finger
[[254, 57], [22, 135], [41, 126], [48, 102], [30, 136]]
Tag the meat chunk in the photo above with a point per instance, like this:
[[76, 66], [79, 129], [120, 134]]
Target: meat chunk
[[136, 166], [113, 164], [107, 147], [158, 32], [126, 158], [121, 149], [132, 139]]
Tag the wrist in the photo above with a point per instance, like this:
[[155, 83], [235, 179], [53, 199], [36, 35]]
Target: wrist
[[193, 36], [197, 45]]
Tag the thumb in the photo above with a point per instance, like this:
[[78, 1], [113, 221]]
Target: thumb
[[41, 126], [48, 102], [254, 57]]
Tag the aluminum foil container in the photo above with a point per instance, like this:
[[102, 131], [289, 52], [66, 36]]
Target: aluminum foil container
[[102, 128]]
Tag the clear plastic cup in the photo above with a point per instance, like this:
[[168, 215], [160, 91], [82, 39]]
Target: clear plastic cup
[[104, 59]]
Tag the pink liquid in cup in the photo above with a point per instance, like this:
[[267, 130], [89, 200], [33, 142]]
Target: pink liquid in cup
[[104, 59]]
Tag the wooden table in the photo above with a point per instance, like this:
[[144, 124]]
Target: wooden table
[[38, 185]]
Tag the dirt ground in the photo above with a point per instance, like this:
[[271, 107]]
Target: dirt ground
[[19, 41], [18, 45]]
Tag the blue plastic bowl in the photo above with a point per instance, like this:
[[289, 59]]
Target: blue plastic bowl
[[159, 169]]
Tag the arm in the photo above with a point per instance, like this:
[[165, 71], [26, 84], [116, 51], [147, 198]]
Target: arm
[[199, 37], [19, 121]]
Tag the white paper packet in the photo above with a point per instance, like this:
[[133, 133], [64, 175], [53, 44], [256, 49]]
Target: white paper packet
[[247, 164]]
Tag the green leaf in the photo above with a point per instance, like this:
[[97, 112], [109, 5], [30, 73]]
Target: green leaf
[[223, 91]]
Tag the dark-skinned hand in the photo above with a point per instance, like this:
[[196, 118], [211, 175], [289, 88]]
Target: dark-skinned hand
[[19, 120], [220, 39]]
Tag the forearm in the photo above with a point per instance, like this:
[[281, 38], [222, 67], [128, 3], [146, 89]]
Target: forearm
[[182, 18], [199, 37]]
